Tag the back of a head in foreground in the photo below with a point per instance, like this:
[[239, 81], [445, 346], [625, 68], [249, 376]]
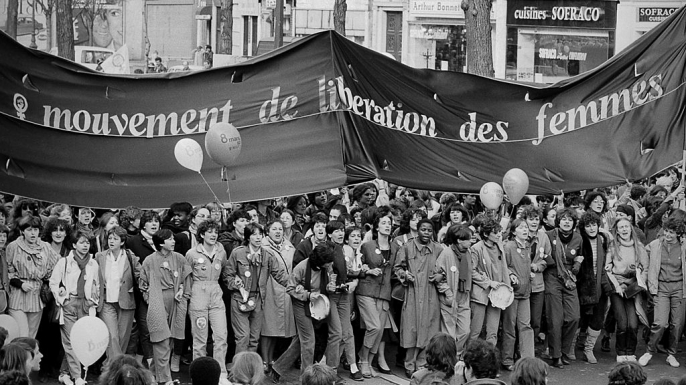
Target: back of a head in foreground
[[529, 371], [318, 374], [247, 368], [131, 375], [482, 358], [627, 373], [205, 371], [14, 377]]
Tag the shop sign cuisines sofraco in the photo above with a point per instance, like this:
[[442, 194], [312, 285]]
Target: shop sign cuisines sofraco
[[566, 13], [325, 112]]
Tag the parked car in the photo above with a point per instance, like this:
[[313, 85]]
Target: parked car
[[88, 56], [25, 25]]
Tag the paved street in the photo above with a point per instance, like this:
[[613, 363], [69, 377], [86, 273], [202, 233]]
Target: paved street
[[578, 372]]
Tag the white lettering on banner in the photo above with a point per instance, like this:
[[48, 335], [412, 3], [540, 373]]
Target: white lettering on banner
[[559, 13], [595, 111], [135, 125], [390, 116]]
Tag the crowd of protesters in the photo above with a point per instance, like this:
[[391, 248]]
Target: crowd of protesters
[[334, 276]]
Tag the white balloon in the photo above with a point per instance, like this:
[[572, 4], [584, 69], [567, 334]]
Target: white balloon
[[515, 184], [89, 339], [189, 154], [491, 195]]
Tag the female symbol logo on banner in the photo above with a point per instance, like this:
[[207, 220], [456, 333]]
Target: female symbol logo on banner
[[189, 154], [223, 143], [89, 339], [515, 184], [491, 195], [9, 324]]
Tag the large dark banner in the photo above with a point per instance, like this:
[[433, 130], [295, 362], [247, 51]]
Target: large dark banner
[[325, 111]]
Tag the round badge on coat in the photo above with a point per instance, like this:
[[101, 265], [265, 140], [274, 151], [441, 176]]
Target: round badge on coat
[[247, 274], [251, 303], [165, 264], [555, 242], [453, 268], [176, 274], [519, 251], [542, 250], [201, 322], [217, 266], [201, 260], [241, 306], [572, 252]]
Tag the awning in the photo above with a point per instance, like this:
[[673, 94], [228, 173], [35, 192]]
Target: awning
[[204, 13]]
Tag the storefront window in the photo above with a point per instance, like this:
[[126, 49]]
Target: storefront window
[[551, 55], [439, 47]]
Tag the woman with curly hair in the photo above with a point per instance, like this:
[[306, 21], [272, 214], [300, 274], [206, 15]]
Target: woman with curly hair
[[441, 357], [627, 373], [561, 297], [479, 364]]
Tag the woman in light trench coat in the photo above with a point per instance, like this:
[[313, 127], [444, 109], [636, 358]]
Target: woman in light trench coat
[[279, 321]]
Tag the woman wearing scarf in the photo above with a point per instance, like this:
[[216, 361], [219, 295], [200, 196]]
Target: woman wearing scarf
[[246, 274], [119, 270], [592, 300], [75, 283], [454, 264], [166, 285], [279, 321], [627, 273], [518, 257], [667, 286], [29, 263], [421, 313], [561, 298], [206, 308]]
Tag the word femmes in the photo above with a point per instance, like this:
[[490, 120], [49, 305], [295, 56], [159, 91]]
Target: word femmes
[[594, 111]]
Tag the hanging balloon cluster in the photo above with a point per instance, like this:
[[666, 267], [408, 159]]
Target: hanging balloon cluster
[[515, 185], [222, 142]]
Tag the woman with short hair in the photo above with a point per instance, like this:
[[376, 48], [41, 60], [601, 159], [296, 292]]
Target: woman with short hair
[[166, 285], [120, 270], [206, 308], [29, 265], [246, 275]]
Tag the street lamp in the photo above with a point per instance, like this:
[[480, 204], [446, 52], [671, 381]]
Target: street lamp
[[33, 31]]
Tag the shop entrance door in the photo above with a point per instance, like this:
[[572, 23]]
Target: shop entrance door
[[394, 34]]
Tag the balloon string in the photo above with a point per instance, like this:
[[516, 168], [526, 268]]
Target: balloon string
[[228, 190], [208, 186]]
